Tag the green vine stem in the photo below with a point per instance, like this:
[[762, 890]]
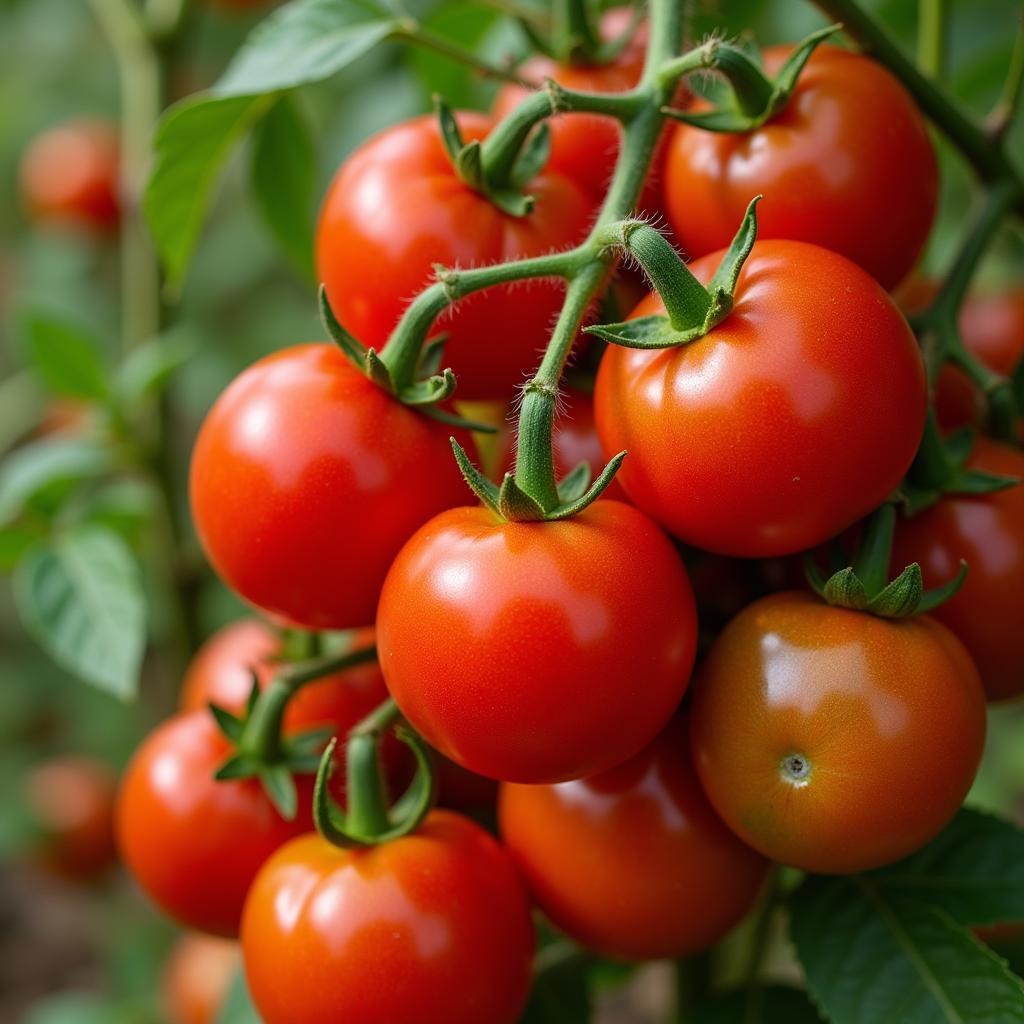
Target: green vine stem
[[933, 37], [1008, 105]]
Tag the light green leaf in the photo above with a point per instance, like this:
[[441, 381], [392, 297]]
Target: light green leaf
[[149, 366], [66, 358], [81, 598]]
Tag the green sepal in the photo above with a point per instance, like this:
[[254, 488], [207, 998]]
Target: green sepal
[[979, 481], [574, 484], [452, 419], [431, 355], [646, 332], [515, 505], [377, 370], [230, 725], [573, 508], [788, 75], [723, 284], [533, 157], [238, 766], [901, 597], [486, 491], [451, 135], [278, 784], [430, 391], [730, 122], [845, 590], [345, 341], [308, 742], [931, 599]]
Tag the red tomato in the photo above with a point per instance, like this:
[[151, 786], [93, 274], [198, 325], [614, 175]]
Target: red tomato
[[306, 480], [988, 532], [633, 863], [833, 740], [195, 844], [585, 147], [537, 652], [197, 978], [70, 174], [396, 208], [790, 420], [573, 440], [71, 802], [847, 164], [432, 928]]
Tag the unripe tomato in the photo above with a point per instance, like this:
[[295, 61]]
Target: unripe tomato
[[833, 740], [790, 420], [71, 802], [633, 863], [307, 478], [987, 531], [197, 978], [193, 843], [847, 164], [396, 208], [537, 652], [70, 175], [432, 928]]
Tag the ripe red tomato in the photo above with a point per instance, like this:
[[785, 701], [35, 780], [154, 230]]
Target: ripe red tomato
[[396, 208], [780, 427], [847, 164], [633, 863], [432, 928], [195, 844], [988, 532], [197, 978], [537, 652], [833, 740], [71, 802], [70, 175], [306, 480]]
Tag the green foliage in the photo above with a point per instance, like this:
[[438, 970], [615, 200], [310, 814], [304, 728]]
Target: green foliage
[[767, 1004], [65, 357]]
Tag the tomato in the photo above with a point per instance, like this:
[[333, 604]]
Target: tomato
[[195, 844], [70, 800], [791, 419], [70, 175], [573, 440], [396, 208], [633, 863], [833, 740], [585, 147], [306, 480], [537, 652], [197, 978], [432, 928], [988, 532], [847, 164]]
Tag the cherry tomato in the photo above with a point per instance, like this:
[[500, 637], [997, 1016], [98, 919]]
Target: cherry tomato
[[847, 164], [71, 802], [306, 480], [197, 978], [396, 208], [633, 862], [70, 175], [833, 740], [432, 928], [987, 531], [537, 652], [794, 417], [193, 843]]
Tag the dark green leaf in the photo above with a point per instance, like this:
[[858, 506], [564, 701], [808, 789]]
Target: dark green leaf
[[81, 598], [284, 181], [65, 356], [767, 1004]]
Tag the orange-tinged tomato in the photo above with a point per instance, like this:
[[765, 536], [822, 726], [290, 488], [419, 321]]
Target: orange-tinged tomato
[[197, 978], [432, 928], [634, 862], [833, 740]]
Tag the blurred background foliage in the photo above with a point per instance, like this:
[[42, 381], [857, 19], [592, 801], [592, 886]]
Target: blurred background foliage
[[76, 955]]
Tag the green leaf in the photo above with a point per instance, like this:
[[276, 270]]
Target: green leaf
[[48, 465], [149, 366], [874, 955], [283, 175], [767, 1004], [238, 1008], [81, 597], [14, 542], [65, 356]]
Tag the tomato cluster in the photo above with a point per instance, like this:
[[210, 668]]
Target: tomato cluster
[[544, 640]]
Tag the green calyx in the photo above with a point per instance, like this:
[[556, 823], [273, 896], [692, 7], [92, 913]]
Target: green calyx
[[865, 585], [756, 97], [692, 309], [368, 819]]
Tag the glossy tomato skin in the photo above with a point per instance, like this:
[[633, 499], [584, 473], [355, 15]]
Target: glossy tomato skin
[[987, 531], [432, 928], [396, 208], [847, 165], [537, 652], [70, 175], [779, 428], [306, 479], [633, 863], [889, 716], [195, 844], [197, 978], [71, 802]]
